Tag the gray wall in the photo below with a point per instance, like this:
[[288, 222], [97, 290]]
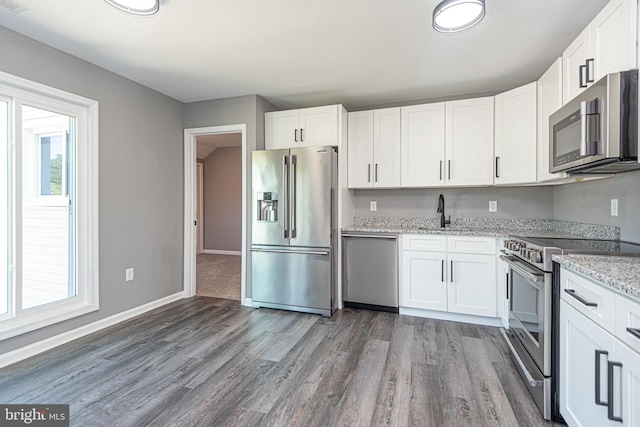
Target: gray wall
[[248, 109], [591, 202], [520, 202], [141, 179], [223, 199]]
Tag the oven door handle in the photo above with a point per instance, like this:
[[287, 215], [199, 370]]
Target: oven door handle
[[532, 381], [522, 268]]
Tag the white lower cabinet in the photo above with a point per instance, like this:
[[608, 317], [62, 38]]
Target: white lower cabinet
[[447, 279], [599, 373]]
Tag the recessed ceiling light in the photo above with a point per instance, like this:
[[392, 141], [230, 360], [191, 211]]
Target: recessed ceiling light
[[136, 7], [452, 16]]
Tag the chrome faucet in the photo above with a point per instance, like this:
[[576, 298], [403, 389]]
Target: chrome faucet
[[443, 221]]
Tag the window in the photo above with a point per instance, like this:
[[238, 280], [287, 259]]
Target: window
[[48, 206]]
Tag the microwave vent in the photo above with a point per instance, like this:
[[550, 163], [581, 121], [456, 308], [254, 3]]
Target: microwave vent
[[13, 6]]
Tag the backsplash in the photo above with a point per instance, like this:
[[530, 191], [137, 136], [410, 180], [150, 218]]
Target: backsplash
[[520, 226]]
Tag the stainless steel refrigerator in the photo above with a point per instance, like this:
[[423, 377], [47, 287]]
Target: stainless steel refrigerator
[[294, 198]]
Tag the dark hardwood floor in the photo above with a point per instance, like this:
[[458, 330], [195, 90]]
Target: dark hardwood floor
[[210, 362]]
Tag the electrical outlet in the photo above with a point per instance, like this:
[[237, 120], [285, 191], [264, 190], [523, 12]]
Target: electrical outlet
[[373, 206], [128, 274], [614, 207], [493, 206]]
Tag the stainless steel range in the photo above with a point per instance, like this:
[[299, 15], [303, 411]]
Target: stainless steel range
[[534, 296]]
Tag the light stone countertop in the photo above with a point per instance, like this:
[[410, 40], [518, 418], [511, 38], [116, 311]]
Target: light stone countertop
[[617, 272], [456, 231]]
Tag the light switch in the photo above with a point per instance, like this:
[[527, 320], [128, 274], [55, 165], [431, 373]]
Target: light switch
[[614, 207], [493, 206], [373, 206]]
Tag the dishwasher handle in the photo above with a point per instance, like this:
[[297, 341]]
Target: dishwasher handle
[[372, 236]]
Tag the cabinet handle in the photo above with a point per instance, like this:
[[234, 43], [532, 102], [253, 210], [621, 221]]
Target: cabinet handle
[[634, 332], [599, 354], [611, 366], [590, 63], [451, 271], [582, 70], [369, 172], [301, 135], [295, 135], [442, 271], [376, 173], [449, 169], [440, 170], [507, 285], [497, 167], [584, 301]]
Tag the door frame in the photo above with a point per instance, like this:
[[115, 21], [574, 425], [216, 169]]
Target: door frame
[[190, 160], [200, 204]]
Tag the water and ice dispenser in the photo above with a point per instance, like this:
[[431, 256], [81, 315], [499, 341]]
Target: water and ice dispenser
[[267, 206]]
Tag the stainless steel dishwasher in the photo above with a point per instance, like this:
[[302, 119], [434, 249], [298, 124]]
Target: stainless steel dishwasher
[[370, 271]]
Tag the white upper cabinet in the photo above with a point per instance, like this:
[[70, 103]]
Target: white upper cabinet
[[386, 148], [360, 145], [281, 129], [374, 148], [306, 127], [422, 145], [515, 135], [607, 45], [469, 142], [319, 126], [549, 101]]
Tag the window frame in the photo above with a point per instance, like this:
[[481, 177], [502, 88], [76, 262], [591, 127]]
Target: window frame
[[86, 231]]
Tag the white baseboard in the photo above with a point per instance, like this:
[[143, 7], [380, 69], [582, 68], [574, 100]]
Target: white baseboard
[[454, 317], [30, 350], [217, 252]]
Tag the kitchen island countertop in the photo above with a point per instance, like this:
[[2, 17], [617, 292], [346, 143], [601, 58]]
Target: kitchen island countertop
[[617, 272]]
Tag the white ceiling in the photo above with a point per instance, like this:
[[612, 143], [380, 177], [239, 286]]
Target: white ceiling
[[207, 144], [298, 53]]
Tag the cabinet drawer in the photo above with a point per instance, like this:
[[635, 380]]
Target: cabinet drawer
[[471, 245], [628, 316], [589, 298], [424, 242]]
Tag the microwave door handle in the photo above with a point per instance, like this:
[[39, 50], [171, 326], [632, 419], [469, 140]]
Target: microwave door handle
[[590, 127]]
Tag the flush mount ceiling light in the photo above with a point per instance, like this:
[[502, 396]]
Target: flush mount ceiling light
[[453, 16], [136, 7]]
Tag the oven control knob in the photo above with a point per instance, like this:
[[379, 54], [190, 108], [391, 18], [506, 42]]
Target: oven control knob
[[532, 255], [539, 257]]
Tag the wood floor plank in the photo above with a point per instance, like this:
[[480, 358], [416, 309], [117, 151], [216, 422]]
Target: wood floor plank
[[392, 405]]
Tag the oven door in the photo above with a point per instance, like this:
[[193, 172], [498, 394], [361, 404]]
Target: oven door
[[530, 311]]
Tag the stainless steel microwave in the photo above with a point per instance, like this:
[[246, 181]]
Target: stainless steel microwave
[[597, 131]]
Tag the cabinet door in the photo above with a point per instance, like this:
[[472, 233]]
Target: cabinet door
[[319, 126], [627, 405], [472, 284], [580, 340], [386, 148], [422, 145], [515, 138], [424, 280], [573, 57], [281, 129], [613, 38], [360, 152], [469, 141], [549, 101]]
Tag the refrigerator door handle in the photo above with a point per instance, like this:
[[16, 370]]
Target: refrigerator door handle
[[292, 196], [283, 251], [285, 208]]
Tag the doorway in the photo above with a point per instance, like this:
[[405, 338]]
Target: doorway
[[196, 217], [219, 213]]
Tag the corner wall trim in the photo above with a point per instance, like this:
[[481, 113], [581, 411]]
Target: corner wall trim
[[65, 337], [217, 252]]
